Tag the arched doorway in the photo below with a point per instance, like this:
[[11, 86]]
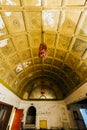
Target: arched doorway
[[31, 115]]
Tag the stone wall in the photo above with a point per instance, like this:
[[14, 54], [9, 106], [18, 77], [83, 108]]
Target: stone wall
[[54, 112]]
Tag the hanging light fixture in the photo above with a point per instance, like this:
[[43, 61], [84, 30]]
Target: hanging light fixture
[[43, 89], [42, 51]]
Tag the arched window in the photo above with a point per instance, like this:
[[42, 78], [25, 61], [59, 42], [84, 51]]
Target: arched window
[[31, 115]]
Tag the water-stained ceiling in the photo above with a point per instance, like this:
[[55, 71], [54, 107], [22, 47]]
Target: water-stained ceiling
[[24, 25]]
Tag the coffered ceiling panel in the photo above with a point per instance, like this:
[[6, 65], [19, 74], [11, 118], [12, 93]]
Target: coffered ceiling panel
[[33, 20], [10, 2], [7, 47], [69, 22], [50, 20], [64, 41], [83, 29], [79, 47], [14, 21], [31, 2], [52, 3], [20, 42], [2, 27], [34, 39], [76, 2], [25, 25]]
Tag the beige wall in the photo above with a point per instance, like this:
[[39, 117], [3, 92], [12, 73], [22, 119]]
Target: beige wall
[[79, 94], [8, 97], [55, 112]]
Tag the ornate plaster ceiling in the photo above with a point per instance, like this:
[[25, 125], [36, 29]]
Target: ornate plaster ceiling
[[62, 25]]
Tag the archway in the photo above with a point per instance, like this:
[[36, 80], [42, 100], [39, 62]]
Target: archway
[[31, 115]]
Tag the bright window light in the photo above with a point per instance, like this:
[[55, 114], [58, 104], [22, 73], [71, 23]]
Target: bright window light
[[84, 115], [3, 43]]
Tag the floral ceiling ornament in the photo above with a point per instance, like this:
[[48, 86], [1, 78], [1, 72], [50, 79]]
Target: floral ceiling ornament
[[43, 51]]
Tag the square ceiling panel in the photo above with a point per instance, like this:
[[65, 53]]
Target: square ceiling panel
[[69, 23], [38, 68], [75, 2], [35, 52], [4, 69], [63, 41], [2, 27], [55, 70], [50, 20], [34, 39], [52, 3], [10, 2], [33, 21], [57, 63], [23, 82], [52, 74], [60, 54], [21, 42], [50, 52], [31, 2], [14, 60], [47, 68], [15, 21], [72, 61], [83, 30], [48, 61], [7, 47], [1, 57], [21, 75], [10, 78], [26, 54], [75, 78], [67, 69], [49, 39], [83, 70], [16, 84], [29, 71], [79, 47], [37, 61]]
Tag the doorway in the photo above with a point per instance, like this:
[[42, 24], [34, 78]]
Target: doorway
[[5, 112], [16, 125], [31, 115]]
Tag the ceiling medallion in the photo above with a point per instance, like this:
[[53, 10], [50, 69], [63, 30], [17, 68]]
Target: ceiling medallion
[[42, 51], [16, 23]]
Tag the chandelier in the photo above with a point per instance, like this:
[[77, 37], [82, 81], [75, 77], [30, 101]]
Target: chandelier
[[42, 51], [43, 89]]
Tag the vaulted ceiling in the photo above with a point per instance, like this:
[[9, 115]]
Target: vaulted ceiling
[[24, 25]]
